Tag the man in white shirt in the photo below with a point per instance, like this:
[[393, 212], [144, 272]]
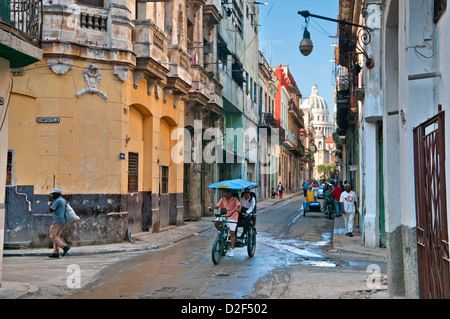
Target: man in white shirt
[[315, 189], [280, 190], [248, 204], [348, 202]]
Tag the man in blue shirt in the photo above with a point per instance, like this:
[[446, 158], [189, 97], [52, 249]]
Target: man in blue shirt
[[305, 188], [58, 209]]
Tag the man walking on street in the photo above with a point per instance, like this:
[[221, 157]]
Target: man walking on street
[[305, 188], [349, 209], [58, 209]]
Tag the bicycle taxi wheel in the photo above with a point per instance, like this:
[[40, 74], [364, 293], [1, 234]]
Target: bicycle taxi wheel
[[251, 242], [216, 252]]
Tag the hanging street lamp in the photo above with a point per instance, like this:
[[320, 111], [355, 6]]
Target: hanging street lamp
[[306, 44]]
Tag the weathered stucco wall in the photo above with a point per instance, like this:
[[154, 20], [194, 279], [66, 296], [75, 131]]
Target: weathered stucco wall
[[81, 154]]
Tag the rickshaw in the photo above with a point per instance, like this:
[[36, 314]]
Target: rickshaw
[[310, 204], [222, 243]]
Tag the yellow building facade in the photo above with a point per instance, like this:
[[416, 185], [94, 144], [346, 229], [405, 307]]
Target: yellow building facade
[[97, 123]]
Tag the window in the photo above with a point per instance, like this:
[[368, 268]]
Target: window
[[164, 179], [237, 72], [95, 3], [247, 83], [9, 168], [238, 17], [133, 172]]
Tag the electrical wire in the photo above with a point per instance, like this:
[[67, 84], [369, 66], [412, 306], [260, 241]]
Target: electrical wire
[[424, 56], [325, 32], [7, 104], [260, 26]]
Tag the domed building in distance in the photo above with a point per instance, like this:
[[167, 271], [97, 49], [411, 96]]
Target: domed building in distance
[[317, 116]]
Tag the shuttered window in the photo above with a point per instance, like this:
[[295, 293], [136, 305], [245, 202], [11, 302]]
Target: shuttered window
[[96, 3], [133, 172], [164, 179], [9, 168]]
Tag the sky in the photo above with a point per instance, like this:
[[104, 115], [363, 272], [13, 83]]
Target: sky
[[280, 23]]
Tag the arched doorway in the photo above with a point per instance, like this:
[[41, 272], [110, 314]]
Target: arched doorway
[[188, 183], [138, 146], [167, 174]]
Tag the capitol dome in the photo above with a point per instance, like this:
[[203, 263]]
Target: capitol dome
[[316, 109], [315, 102]]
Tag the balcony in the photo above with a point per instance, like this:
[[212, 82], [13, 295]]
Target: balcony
[[297, 115], [206, 91], [25, 17], [343, 107], [215, 102], [199, 93], [212, 12], [20, 31], [290, 142], [179, 79], [268, 120], [88, 30], [232, 92], [150, 47], [300, 148], [281, 131]]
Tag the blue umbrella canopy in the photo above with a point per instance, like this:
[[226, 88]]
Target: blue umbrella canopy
[[233, 184]]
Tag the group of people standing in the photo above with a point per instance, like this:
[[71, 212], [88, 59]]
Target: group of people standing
[[345, 200]]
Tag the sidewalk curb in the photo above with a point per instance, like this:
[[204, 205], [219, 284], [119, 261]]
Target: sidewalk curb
[[16, 290]]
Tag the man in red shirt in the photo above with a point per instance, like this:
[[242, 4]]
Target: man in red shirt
[[337, 195]]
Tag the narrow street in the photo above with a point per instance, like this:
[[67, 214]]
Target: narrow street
[[285, 238], [294, 259]]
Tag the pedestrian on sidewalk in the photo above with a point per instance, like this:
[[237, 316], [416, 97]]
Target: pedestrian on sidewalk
[[348, 202], [280, 190], [274, 194], [58, 209], [337, 191]]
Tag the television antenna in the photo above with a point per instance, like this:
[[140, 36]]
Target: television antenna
[[270, 42]]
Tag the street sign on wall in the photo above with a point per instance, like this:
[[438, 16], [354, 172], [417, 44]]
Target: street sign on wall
[[48, 120]]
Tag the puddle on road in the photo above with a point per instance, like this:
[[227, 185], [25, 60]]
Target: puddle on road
[[310, 253]]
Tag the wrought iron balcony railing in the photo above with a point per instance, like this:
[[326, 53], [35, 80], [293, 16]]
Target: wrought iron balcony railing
[[24, 16], [267, 119]]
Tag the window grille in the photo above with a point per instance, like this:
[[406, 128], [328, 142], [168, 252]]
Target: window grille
[[164, 179]]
